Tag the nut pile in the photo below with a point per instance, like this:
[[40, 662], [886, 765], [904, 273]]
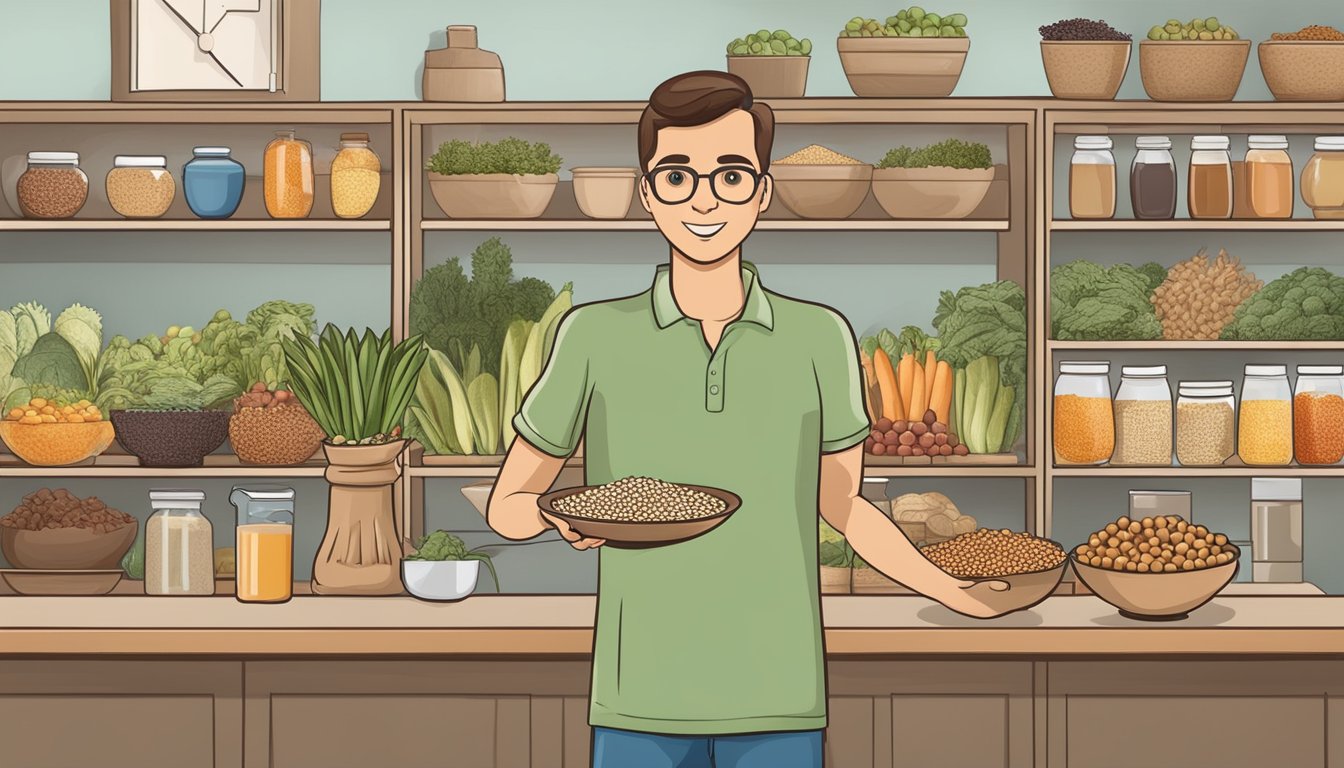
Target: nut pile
[[1082, 29], [926, 437], [1200, 297], [987, 552], [1311, 32], [45, 508], [641, 500], [41, 411], [272, 427], [1162, 544], [815, 154]]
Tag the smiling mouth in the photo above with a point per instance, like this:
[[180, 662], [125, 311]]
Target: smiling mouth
[[704, 230]]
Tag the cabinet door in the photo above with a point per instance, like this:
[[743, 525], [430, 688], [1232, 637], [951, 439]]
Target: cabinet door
[[121, 714]]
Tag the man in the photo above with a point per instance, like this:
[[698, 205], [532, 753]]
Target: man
[[709, 652]]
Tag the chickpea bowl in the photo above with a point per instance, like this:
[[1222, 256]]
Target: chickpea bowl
[[55, 443], [1031, 566], [641, 512]]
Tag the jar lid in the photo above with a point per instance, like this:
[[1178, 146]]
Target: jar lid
[[70, 158], [1085, 367], [354, 137], [1152, 142], [1330, 143], [1320, 370], [1267, 142], [1092, 142], [1188, 391], [139, 161], [1205, 384], [1210, 142], [1276, 488], [267, 493], [177, 494], [1266, 370], [210, 151], [1143, 371]]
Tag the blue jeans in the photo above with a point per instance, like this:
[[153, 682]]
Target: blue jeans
[[614, 748]]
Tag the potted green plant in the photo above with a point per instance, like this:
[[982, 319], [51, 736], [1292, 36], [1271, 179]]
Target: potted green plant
[[442, 568], [947, 180], [505, 179], [774, 64], [357, 389]]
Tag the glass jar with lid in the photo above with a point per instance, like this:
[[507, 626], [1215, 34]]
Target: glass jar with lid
[[1092, 178], [1269, 172], [1318, 414], [179, 545], [1210, 183], [1206, 423], [265, 544], [1323, 179], [52, 186], [212, 183], [1083, 421], [1143, 417], [355, 177], [1265, 423], [140, 186], [1152, 179], [287, 176]]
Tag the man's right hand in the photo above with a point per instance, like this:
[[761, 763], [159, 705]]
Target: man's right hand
[[575, 539]]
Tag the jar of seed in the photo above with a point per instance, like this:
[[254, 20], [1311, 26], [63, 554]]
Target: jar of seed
[[355, 177], [140, 187], [1084, 421], [53, 186], [1205, 423], [1143, 417], [1318, 414], [1265, 424]]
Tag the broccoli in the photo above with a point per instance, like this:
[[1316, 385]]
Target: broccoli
[[1306, 304], [1089, 302], [442, 545]]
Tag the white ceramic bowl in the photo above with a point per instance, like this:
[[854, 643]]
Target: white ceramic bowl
[[443, 580]]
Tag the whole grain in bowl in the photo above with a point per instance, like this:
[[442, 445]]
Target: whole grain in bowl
[[641, 499], [988, 552], [815, 154]]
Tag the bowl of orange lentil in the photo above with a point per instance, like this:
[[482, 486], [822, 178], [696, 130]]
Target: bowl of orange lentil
[[48, 434]]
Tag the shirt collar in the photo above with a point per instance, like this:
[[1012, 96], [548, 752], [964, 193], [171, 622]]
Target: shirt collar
[[757, 309]]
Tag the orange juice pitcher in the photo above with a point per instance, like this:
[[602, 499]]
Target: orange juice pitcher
[[265, 544]]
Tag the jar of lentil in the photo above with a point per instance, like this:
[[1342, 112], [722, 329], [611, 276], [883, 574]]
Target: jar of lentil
[[53, 186], [1265, 424], [1084, 421], [1318, 414], [1143, 417], [1209, 186], [354, 177], [1092, 178], [1323, 179], [213, 183], [287, 177], [1269, 172], [140, 187], [1206, 423]]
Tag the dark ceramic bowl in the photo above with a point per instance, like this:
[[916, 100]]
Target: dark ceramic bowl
[[171, 438]]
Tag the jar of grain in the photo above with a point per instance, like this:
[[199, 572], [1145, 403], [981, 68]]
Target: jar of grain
[[287, 177], [1323, 179], [1143, 417], [354, 177], [140, 187], [1084, 422], [1265, 425], [213, 183], [1209, 186], [1318, 414], [1092, 178], [1205, 423], [179, 545], [53, 186], [1269, 172]]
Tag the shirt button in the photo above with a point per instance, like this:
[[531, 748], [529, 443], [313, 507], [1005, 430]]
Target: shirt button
[[714, 389], [713, 372]]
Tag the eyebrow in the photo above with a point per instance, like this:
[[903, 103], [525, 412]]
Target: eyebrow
[[734, 159], [679, 159]]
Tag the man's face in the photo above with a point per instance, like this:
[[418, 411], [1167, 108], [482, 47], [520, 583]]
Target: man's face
[[700, 224]]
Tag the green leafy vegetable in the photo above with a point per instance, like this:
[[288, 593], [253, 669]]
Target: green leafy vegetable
[[133, 562], [1089, 302], [53, 362], [1306, 304], [483, 398], [833, 549], [952, 153], [83, 329], [510, 155], [442, 545], [982, 321], [31, 320]]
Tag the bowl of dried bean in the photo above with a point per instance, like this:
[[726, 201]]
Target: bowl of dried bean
[[60, 531], [641, 512], [1306, 65], [1157, 568], [1030, 565], [1084, 59], [272, 428], [819, 183]]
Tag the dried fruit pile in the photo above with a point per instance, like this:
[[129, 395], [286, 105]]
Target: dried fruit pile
[[45, 508]]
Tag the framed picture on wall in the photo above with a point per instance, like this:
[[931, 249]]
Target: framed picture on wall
[[215, 50]]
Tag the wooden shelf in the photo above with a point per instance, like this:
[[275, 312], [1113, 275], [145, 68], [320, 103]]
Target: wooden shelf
[[113, 465], [1239, 470], [195, 225], [765, 225], [1198, 225], [1178, 346]]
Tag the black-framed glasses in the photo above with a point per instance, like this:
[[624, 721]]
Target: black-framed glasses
[[675, 184]]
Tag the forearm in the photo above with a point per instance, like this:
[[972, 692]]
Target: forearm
[[516, 516], [512, 511], [885, 547]]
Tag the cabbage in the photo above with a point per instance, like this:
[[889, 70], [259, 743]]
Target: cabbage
[[31, 321], [83, 328]]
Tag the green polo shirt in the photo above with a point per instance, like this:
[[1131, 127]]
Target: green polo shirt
[[720, 634]]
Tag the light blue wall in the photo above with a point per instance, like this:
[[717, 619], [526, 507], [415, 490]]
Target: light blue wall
[[615, 49]]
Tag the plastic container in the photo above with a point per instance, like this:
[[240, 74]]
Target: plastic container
[[1152, 179], [1092, 178], [1143, 417], [1323, 179], [1265, 424], [140, 187], [52, 186], [1210, 182], [1206, 423], [356, 176], [213, 183], [265, 544], [1269, 173], [1318, 414], [179, 545], [1084, 420], [287, 177]]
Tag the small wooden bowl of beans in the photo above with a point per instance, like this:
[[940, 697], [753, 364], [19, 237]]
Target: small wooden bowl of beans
[[641, 512], [1030, 565]]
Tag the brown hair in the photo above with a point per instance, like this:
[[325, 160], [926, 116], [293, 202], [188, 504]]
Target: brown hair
[[697, 98]]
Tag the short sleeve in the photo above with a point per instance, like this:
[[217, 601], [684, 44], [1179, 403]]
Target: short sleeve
[[844, 421], [553, 412]]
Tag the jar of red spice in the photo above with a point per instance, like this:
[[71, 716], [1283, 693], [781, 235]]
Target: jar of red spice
[[1318, 414]]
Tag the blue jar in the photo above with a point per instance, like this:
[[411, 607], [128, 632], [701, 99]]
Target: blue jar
[[213, 183]]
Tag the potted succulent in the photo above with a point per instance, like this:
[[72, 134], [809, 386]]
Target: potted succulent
[[774, 64], [947, 180], [357, 389], [442, 568], [505, 179], [912, 54]]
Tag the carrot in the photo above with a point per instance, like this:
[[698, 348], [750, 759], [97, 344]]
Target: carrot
[[930, 366], [919, 398], [869, 386], [886, 383], [907, 382], [941, 399]]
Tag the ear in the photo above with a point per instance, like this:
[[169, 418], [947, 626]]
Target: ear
[[767, 191], [644, 194]]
